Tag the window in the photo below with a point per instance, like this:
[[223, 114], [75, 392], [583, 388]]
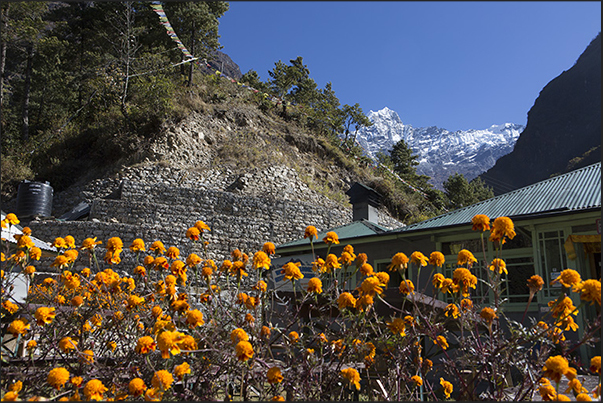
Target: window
[[552, 260], [515, 286], [394, 276]]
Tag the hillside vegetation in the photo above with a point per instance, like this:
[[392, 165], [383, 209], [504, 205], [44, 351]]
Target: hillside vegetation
[[90, 88]]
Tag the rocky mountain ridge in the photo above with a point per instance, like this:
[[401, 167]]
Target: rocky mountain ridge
[[441, 152], [563, 130]]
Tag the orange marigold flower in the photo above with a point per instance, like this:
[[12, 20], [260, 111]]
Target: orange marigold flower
[[16, 387], [555, 367], [311, 232], [269, 248], [464, 279], [194, 318], [447, 387], [274, 375], [277, 398], [399, 262], [590, 290], [44, 315], [331, 238], [265, 332], [583, 397], [488, 314], [595, 364], [575, 387], [29, 270], [465, 257], [367, 270], [226, 266], [59, 243], [113, 257], [35, 253], [352, 376], [90, 243], [261, 260], [562, 307], [162, 380], [442, 342], [77, 301], [136, 387], [438, 280], [502, 227], [10, 307], [87, 356], [137, 245], [61, 261], [291, 271], [244, 350], [568, 277], [480, 222], [18, 326], [371, 286], [169, 342], [346, 300], [238, 269], [315, 285], [193, 233], [140, 270], [406, 287], [361, 259], [346, 258], [436, 259], [172, 252], [364, 301], [466, 304], [397, 326], [69, 241], [499, 265], [161, 263], [201, 226], [261, 286], [535, 283], [157, 247], [331, 263], [115, 244], [181, 370], [67, 344], [417, 380], [419, 259], [23, 241], [31, 345], [85, 272], [70, 280], [145, 344], [452, 310], [383, 277], [57, 377], [293, 336], [238, 335], [12, 219]]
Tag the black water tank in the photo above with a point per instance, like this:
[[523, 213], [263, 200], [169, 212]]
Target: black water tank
[[34, 199]]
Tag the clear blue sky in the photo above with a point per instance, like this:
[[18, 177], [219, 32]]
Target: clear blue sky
[[455, 65]]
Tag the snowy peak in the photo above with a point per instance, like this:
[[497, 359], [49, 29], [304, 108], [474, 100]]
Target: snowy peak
[[441, 152]]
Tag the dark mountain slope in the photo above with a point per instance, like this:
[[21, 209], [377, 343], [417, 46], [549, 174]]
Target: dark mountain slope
[[563, 130]]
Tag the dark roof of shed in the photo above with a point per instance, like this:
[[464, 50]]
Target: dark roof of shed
[[351, 230]]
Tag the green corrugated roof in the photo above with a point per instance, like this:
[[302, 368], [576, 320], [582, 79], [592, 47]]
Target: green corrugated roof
[[351, 230], [575, 190]]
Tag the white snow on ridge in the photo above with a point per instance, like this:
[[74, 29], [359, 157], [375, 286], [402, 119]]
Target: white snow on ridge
[[441, 153]]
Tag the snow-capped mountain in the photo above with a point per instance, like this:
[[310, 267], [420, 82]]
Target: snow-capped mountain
[[441, 152]]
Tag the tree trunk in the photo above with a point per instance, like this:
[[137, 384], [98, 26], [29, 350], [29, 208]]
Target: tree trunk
[[3, 21], [27, 93]]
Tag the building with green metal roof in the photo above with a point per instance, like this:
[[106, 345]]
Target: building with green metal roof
[[557, 224]]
